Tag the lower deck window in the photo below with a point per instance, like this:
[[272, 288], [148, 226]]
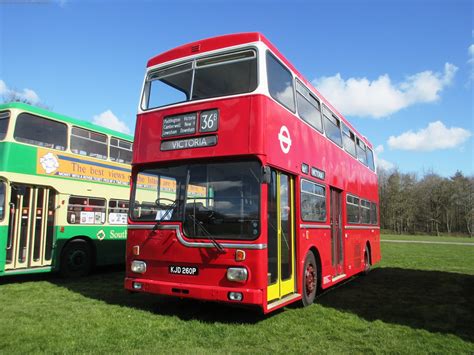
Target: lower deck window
[[352, 207], [313, 202], [118, 210], [365, 211], [86, 210]]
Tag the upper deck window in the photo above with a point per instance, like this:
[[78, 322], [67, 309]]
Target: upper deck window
[[4, 119], [332, 127], [39, 131], [85, 142], [348, 139], [361, 153], [280, 82], [309, 108], [120, 151], [213, 76], [370, 159]]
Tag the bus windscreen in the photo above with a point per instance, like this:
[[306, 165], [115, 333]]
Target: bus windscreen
[[4, 118], [218, 199]]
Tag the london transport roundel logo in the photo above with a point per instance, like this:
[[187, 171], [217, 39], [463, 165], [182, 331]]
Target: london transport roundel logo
[[285, 139]]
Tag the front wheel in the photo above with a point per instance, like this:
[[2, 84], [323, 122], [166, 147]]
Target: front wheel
[[310, 279], [76, 259]]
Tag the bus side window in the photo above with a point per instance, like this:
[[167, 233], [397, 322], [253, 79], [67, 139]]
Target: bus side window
[[280, 83], [39, 131], [309, 108], [85, 142], [352, 208], [365, 211], [373, 213], [370, 159], [118, 210], [313, 202], [332, 126], [86, 210], [361, 153], [120, 151], [348, 140]]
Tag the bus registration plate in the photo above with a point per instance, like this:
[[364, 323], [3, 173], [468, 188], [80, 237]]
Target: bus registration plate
[[183, 270]]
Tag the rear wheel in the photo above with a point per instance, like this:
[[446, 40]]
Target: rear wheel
[[76, 259], [366, 261], [310, 279]]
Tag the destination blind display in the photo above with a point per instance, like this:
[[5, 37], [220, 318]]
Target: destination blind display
[[179, 125]]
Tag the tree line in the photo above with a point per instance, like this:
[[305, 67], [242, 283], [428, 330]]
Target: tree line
[[432, 204]]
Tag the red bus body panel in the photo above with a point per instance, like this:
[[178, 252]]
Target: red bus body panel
[[249, 127]]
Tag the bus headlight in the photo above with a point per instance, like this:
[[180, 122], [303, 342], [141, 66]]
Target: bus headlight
[[238, 274], [138, 266]]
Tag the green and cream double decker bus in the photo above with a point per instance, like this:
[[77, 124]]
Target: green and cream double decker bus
[[64, 189]]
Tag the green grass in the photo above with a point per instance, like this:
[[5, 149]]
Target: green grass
[[419, 300]]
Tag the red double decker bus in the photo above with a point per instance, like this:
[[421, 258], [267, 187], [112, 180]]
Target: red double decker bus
[[248, 187]]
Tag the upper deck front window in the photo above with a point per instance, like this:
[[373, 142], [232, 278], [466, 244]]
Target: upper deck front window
[[4, 118], [212, 76]]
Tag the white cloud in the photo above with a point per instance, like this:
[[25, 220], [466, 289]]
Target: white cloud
[[435, 136], [379, 149], [109, 120], [382, 163], [381, 97], [26, 95]]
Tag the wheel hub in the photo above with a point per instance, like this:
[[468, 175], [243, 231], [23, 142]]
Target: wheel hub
[[310, 279]]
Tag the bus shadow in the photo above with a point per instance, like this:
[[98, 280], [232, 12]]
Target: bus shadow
[[431, 300], [107, 286]]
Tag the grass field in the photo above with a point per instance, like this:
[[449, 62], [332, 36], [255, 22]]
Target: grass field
[[420, 299]]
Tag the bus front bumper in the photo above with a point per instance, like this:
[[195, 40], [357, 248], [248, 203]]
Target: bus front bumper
[[201, 292]]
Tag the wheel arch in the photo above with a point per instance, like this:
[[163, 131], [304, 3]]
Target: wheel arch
[[88, 240], [315, 252], [369, 248]]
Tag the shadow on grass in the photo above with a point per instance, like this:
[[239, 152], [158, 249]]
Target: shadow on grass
[[106, 284], [431, 300]]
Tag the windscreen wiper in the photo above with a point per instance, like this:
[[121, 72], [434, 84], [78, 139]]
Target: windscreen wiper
[[206, 233], [169, 210]]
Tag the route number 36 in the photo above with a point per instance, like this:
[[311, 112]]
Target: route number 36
[[209, 121]]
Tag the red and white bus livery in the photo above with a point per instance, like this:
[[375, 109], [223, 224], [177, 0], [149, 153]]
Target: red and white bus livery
[[252, 188]]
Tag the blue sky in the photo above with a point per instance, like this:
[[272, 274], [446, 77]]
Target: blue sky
[[400, 71]]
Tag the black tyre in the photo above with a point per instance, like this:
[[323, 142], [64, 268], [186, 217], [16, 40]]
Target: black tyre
[[76, 259], [309, 279], [366, 261]]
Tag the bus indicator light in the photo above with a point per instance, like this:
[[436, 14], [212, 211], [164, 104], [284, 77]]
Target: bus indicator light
[[136, 250], [239, 255]]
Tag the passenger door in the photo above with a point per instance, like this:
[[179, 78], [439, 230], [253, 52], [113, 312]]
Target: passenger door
[[337, 245], [281, 236], [31, 227]]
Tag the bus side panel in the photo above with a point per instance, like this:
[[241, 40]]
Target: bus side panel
[[108, 242]]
